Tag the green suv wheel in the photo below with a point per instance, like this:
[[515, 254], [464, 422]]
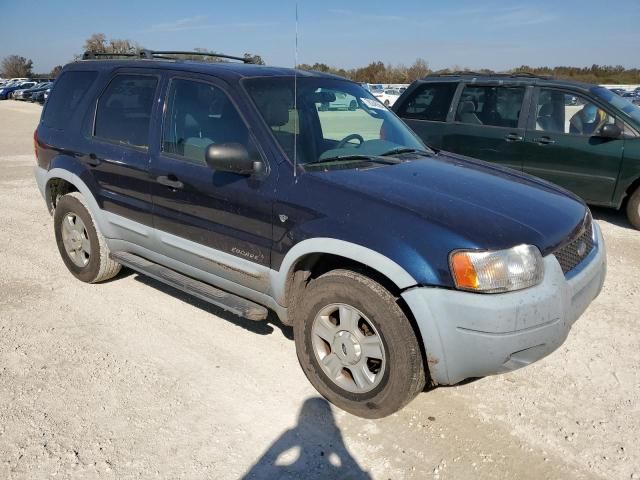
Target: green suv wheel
[[633, 209]]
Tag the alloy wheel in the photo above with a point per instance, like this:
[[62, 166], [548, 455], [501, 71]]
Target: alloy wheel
[[76, 240], [348, 348]]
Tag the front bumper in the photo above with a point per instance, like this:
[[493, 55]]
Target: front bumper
[[473, 335]]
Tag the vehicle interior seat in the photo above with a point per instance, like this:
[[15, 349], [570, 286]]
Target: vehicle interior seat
[[276, 114], [545, 120], [191, 116], [467, 113]]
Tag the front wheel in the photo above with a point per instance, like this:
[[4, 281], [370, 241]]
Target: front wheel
[[356, 346], [82, 247], [633, 209]]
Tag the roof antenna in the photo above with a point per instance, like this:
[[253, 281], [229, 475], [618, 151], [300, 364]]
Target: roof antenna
[[295, 103]]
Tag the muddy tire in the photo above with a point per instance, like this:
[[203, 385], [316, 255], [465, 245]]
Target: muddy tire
[[83, 249], [633, 209], [356, 346]]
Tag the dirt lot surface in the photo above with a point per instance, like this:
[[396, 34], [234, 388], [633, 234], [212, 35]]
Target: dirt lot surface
[[130, 379]]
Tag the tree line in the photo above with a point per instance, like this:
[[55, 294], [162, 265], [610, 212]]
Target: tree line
[[379, 72], [374, 72]]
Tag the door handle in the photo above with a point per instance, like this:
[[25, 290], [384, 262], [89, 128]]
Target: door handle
[[513, 137], [92, 159], [545, 141], [170, 181]]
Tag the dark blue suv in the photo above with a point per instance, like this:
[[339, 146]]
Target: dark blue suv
[[398, 266]]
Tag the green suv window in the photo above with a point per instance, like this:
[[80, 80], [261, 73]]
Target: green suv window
[[429, 102], [490, 105], [561, 112]]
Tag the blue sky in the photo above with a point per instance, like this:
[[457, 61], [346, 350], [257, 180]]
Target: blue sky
[[473, 34]]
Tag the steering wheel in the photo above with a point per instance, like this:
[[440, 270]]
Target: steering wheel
[[348, 138]]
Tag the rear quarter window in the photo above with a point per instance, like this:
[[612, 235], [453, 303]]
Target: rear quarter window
[[66, 96], [429, 102]]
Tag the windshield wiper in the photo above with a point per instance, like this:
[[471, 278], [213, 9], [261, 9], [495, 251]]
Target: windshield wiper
[[371, 158], [400, 150]]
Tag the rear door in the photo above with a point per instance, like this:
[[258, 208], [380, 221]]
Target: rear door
[[118, 151], [563, 145], [217, 222], [425, 110], [489, 123]]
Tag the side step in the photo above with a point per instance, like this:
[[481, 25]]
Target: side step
[[225, 300]]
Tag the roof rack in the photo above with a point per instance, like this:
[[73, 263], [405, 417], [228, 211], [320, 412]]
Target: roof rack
[[161, 54], [94, 55], [528, 75], [461, 73]]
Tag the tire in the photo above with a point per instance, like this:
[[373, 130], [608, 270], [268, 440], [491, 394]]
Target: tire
[[633, 209], [398, 377], [94, 266]]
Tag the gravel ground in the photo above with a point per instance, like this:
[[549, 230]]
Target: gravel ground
[[131, 379]]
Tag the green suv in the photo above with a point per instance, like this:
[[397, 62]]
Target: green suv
[[582, 137]]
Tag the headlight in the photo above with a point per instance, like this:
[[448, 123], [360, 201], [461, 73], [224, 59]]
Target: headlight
[[497, 271], [1, 91]]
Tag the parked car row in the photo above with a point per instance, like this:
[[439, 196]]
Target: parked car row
[[25, 89], [388, 96]]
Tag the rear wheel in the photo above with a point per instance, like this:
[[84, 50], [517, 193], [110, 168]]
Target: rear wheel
[[633, 209], [83, 249], [356, 345]]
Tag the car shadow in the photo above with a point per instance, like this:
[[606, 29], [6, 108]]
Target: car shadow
[[265, 327], [614, 217], [313, 449]]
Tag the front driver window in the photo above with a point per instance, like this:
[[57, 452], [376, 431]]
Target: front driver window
[[561, 112], [197, 115], [315, 119]]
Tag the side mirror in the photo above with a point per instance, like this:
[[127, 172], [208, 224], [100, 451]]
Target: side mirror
[[231, 157], [610, 130]]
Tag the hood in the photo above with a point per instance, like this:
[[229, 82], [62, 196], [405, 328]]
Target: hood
[[489, 206]]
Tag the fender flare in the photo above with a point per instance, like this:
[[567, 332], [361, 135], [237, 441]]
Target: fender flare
[[377, 261], [96, 212]]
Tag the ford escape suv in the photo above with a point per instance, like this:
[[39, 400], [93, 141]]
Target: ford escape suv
[[582, 137], [397, 265]]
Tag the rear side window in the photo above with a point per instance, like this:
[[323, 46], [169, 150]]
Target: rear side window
[[124, 110], [429, 102], [68, 92], [492, 106]]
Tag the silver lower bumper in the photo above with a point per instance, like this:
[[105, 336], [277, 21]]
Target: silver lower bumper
[[472, 335]]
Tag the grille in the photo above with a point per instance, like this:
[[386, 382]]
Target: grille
[[574, 252]]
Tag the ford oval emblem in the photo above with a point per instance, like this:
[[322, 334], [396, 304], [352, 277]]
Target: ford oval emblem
[[582, 249]]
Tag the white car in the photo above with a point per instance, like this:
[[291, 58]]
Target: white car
[[388, 97]]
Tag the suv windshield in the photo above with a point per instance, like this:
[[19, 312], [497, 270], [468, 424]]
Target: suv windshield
[[618, 102], [334, 120]]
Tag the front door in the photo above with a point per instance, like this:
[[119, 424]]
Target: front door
[[488, 124], [563, 145], [217, 222]]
